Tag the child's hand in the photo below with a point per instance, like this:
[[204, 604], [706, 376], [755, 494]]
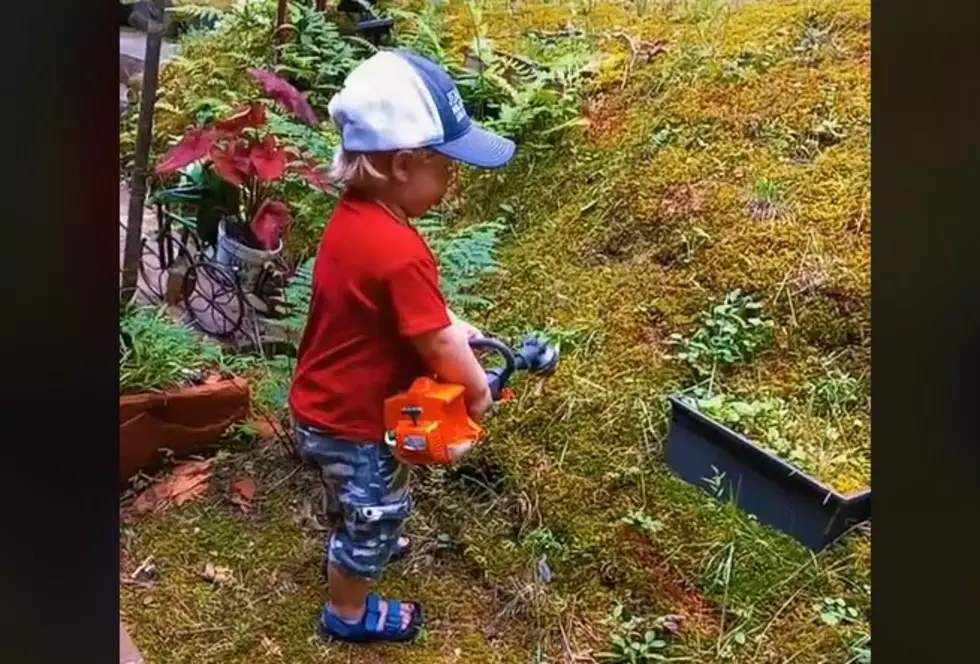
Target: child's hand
[[478, 407], [449, 356]]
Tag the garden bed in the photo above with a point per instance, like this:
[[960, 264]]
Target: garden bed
[[179, 421], [731, 467], [177, 393]]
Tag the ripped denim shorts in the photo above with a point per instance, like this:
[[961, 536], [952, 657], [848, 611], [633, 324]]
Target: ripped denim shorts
[[369, 486]]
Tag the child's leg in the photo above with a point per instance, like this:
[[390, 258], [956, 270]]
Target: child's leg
[[334, 512], [371, 487]]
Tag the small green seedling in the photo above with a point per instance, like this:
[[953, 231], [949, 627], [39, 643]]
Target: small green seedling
[[632, 643], [642, 522], [732, 332], [835, 611], [544, 541]]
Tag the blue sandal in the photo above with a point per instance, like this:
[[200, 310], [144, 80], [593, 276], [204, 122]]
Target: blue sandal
[[369, 628]]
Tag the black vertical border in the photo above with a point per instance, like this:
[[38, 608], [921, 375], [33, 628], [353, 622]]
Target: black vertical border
[[59, 140]]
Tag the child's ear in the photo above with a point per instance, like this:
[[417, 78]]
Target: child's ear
[[401, 164]]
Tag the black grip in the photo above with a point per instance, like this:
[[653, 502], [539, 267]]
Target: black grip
[[497, 378]]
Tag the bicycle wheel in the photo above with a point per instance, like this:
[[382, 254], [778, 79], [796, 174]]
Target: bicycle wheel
[[157, 253], [214, 299]]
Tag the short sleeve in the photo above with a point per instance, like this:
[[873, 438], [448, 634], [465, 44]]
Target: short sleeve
[[417, 301]]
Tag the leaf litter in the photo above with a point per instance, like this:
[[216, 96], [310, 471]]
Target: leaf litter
[[242, 493], [186, 483]]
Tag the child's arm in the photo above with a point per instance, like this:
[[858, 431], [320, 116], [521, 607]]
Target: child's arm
[[448, 354], [424, 318], [472, 332]]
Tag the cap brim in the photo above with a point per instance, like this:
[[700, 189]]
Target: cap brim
[[478, 147]]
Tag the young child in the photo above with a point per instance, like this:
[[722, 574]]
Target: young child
[[378, 320]]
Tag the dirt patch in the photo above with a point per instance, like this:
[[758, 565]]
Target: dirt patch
[[672, 590], [682, 200], [605, 115]]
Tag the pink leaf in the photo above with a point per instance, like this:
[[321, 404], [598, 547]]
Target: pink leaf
[[284, 93], [269, 223], [251, 116], [269, 161], [310, 171], [233, 166], [195, 145]]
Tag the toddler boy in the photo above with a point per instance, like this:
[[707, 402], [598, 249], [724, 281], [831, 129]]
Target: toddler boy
[[378, 320]]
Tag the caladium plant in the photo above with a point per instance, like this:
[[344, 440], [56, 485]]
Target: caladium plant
[[248, 158]]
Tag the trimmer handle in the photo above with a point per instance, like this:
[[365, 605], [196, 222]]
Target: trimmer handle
[[498, 376], [535, 356]]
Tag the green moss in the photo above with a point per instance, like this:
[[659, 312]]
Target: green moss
[[631, 239]]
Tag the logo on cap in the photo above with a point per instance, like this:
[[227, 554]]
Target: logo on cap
[[456, 104]]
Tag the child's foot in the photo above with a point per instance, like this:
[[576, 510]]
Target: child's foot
[[383, 620]]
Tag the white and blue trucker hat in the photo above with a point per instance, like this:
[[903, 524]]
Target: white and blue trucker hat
[[398, 100]]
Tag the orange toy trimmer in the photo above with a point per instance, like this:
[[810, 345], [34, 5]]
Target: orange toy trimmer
[[429, 423]]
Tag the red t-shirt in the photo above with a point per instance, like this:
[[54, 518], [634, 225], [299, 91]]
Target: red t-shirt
[[375, 284]]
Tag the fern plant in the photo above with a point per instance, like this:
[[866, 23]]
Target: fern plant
[[465, 256], [297, 296], [317, 57], [200, 12]]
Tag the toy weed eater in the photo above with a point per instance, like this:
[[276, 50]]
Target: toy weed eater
[[429, 423]]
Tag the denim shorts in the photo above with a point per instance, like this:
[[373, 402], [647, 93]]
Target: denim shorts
[[369, 487]]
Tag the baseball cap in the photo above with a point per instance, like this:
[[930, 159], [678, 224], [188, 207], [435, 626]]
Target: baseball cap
[[399, 100]]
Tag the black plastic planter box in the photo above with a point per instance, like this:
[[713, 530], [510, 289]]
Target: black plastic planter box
[[760, 483]]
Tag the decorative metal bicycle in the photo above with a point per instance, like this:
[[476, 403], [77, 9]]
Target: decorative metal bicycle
[[179, 267]]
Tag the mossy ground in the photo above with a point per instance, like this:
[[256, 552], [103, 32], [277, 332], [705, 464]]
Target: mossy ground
[[619, 240]]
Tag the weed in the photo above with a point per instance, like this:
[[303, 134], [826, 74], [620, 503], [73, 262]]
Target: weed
[[836, 393], [860, 650], [835, 611], [768, 190], [642, 522], [767, 201], [747, 63], [816, 37], [731, 333], [543, 541], [632, 642], [688, 136], [716, 482]]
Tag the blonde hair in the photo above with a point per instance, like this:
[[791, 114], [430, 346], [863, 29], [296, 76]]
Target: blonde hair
[[360, 168], [354, 168]]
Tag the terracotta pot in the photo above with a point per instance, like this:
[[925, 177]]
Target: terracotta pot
[[182, 421]]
